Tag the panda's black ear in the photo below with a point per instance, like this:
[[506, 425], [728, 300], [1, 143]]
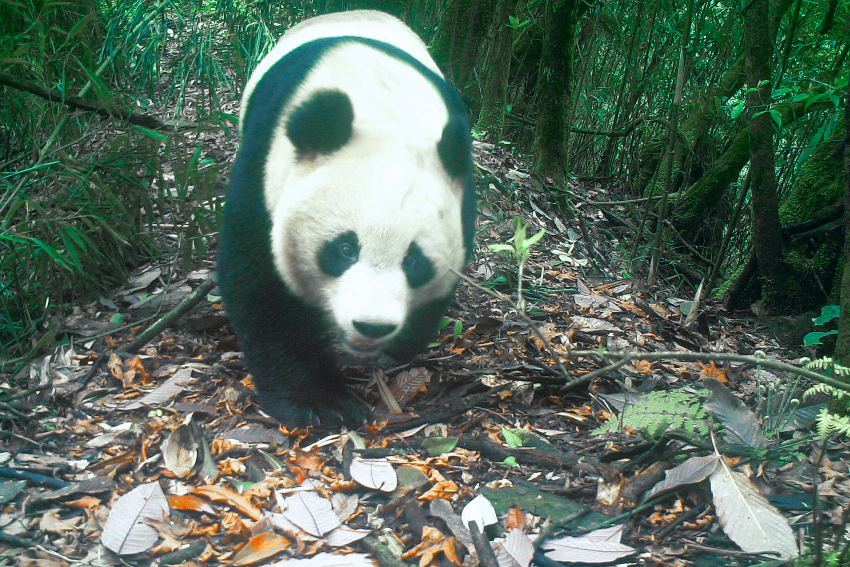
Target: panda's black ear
[[455, 147], [321, 124]]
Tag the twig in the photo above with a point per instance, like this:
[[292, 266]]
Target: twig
[[755, 360], [82, 103], [591, 375], [175, 313], [486, 557]]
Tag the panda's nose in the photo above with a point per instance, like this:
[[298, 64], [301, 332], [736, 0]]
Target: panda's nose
[[374, 330]]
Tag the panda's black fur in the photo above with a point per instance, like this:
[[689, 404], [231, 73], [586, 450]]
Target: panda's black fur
[[289, 343]]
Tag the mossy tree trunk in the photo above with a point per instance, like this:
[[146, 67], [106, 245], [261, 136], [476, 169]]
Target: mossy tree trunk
[[459, 41], [698, 202], [553, 83], [495, 70], [842, 347], [767, 232]]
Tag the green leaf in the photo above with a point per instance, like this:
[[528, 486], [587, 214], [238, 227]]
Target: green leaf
[[780, 92], [501, 248], [535, 239], [511, 461], [738, 109], [458, 330], [101, 91], [777, 117], [812, 339], [118, 318], [436, 446], [511, 437], [827, 314], [151, 133]]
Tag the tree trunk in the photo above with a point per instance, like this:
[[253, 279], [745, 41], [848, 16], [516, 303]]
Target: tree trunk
[[459, 41], [767, 232], [842, 346], [553, 83], [698, 201], [496, 70]]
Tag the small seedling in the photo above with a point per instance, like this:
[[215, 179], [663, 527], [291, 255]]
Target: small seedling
[[519, 251]]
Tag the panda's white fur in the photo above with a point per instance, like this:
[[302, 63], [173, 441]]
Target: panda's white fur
[[388, 184]]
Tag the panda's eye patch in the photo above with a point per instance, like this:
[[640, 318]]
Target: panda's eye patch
[[418, 269], [339, 254]]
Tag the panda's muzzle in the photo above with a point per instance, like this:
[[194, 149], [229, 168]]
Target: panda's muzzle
[[374, 330]]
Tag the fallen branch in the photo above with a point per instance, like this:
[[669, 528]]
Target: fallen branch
[[81, 103], [755, 360], [175, 313]]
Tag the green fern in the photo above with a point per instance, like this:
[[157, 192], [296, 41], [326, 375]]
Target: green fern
[[658, 413], [834, 419]]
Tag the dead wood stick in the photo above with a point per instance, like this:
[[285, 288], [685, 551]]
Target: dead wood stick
[[172, 315], [486, 557], [82, 103], [755, 360]]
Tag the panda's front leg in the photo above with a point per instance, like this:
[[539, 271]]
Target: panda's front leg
[[298, 384]]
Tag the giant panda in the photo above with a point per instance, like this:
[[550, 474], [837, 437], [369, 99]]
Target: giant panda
[[350, 209]]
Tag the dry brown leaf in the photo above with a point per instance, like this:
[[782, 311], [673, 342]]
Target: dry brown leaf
[[260, 547], [713, 371], [445, 489], [433, 543], [86, 502], [51, 523], [230, 497], [189, 503], [516, 518], [643, 366], [407, 384]]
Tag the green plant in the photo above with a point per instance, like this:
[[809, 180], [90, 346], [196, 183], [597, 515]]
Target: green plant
[[657, 413], [519, 251], [834, 419], [827, 314]]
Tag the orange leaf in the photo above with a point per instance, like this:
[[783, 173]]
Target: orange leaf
[[260, 547], [189, 503], [515, 519], [643, 366], [86, 502], [713, 371], [445, 489], [230, 497], [433, 543]]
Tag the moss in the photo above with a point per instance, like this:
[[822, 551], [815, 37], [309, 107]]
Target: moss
[[819, 183]]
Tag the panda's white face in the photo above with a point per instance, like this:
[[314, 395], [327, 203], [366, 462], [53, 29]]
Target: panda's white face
[[369, 238]]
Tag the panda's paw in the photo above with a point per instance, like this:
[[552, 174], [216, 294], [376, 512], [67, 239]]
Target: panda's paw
[[340, 409]]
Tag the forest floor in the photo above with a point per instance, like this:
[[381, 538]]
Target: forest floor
[[532, 425]]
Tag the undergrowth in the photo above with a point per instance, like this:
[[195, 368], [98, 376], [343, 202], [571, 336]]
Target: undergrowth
[[81, 195]]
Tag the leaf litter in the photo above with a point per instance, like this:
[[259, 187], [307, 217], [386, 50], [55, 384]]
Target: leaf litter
[[164, 455]]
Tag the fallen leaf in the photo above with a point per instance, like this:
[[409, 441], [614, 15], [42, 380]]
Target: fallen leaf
[[311, 513], [747, 517], [52, 523], [165, 392], [599, 546], [126, 531], [480, 511], [378, 474], [260, 547], [230, 497]]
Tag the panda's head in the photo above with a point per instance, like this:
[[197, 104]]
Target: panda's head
[[366, 222]]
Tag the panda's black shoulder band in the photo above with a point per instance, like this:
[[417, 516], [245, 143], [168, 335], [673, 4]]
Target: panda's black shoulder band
[[321, 124]]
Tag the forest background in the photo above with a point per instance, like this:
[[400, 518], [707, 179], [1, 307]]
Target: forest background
[[722, 127]]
